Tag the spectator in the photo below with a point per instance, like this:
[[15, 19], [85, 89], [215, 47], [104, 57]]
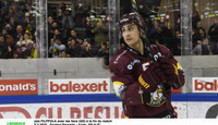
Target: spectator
[[213, 33], [79, 19], [168, 35], [30, 30], [13, 24], [67, 23], [50, 21], [62, 6], [25, 46], [6, 32], [86, 13], [56, 48], [195, 19], [50, 29], [55, 26], [5, 49], [80, 42], [101, 32], [202, 48], [154, 27], [177, 43], [26, 7], [11, 12], [198, 35], [104, 52], [90, 25], [64, 54], [163, 35], [158, 35], [29, 19], [86, 49], [57, 34], [73, 34], [199, 26], [19, 32], [4, 17], [60, 16], [153, 33], [178, 23], [74, 49]]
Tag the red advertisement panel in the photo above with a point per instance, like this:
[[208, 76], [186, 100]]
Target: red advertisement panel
[[19, 87]]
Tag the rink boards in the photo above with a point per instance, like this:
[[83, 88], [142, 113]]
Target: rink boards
[[98, 106]]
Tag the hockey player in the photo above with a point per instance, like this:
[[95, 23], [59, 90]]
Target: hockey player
[[137, 80]]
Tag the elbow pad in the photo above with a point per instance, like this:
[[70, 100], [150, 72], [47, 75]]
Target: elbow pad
[[119, 89]]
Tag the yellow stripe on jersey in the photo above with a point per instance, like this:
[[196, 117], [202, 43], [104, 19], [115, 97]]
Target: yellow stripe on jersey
[[179, 67], [143, 83], [176, 70]]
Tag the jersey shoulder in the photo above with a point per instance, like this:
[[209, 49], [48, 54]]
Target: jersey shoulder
[[121, 60], [121, 56]]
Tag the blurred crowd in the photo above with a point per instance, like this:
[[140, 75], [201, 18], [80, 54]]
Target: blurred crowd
[[203, 42], [66, 41], [18, 32]]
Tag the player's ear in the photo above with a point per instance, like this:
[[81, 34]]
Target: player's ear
[[140, 33]]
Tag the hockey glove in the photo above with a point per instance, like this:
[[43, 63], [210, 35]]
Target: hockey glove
[[151, 77], [169, 68]]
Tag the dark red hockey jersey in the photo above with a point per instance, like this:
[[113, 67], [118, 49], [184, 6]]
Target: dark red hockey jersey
[[125, 68]]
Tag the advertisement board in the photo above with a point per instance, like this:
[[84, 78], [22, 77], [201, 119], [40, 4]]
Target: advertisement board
[[95, 110], [98, 110], [18, 87], [79, 86], [204, 85]]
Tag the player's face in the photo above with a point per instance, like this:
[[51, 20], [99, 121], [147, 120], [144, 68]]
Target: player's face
[[130, 34]]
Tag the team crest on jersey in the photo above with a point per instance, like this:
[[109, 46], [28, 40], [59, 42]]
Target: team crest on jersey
[[130, 66], [157, 98]]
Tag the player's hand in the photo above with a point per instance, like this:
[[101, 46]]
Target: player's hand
[[169, 68], [152, 77]]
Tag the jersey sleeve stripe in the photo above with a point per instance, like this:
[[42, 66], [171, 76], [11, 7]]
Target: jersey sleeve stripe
[[143, 83], [179, 67]]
